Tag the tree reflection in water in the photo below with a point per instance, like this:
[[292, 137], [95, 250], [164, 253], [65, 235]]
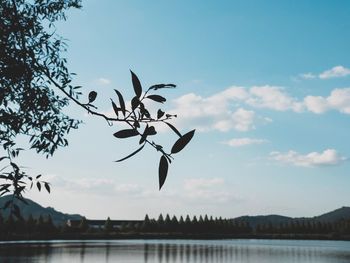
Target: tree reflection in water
[[173, 251]]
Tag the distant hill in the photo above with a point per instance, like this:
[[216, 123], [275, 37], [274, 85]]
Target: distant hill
[[336, 215], [331, 217], [255, 220], [34, 209]]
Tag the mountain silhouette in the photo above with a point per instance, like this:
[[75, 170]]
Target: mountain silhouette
[[36, 210], [339, 214]]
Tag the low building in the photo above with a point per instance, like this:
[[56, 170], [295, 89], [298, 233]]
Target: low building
[[99, 224]]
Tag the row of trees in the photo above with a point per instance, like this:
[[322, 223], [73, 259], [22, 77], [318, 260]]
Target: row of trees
[[210, 225], [12, 225], [304, 227], [167, 224], [195, 225]]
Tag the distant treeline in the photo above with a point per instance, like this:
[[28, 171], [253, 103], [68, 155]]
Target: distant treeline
[[202, 225]]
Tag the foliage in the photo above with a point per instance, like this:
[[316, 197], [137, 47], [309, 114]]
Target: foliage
[[36, 86]]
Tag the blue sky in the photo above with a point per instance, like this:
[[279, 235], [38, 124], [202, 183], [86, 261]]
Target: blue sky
[[265, 83]]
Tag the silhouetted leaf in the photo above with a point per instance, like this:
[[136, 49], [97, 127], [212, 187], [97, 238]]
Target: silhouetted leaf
[[182, 142], [14, 166], [121, 101], [115, 108], [144, 135], [156, 98], [151, 130], [136, 124], [38, 176], [163, 170], [135, 102], [146, 113], [92, 96], [126, 133], [162, 86], [47, 186], [143, 138], [3, 157], [160, 114], [174, 129], [137, 85], [132, 154], [38, 185]]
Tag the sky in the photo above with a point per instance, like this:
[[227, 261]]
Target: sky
[[266, 85]]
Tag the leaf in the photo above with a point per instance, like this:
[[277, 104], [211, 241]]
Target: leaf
[[47, 186], [162, 86], [160, 114], [92, 96], [15, 166], [126, 133], [115, 108], [132, 154], [174, 129], [163, 170], [182, 142], [3, 157], [144, 135], [137, 85], [136, 124], [135, 102], [121, 101], [38, 176], [151, 130], [38, 185], [156, 98]]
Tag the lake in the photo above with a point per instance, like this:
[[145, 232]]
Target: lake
[[171, 251]]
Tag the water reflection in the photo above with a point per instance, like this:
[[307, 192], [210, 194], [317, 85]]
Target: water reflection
[[172, 251]]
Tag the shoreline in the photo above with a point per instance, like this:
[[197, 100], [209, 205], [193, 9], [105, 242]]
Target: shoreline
[[179, 236]]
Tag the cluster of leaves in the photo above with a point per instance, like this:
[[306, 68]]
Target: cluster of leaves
[[16, 181], [30, 62], [36, 85], [140, 120]]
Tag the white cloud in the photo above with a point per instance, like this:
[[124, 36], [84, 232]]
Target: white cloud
[[197, 190], [238, 142], [214, 112], [271, 97], [104, 81], [326, 158], [339, 99], [308, 75], [240, 120], [93, 185], [316, 104], [207, 190], [335, 72], [224, 110]]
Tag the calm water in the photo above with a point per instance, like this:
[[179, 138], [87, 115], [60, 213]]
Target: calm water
[[170, 251]]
